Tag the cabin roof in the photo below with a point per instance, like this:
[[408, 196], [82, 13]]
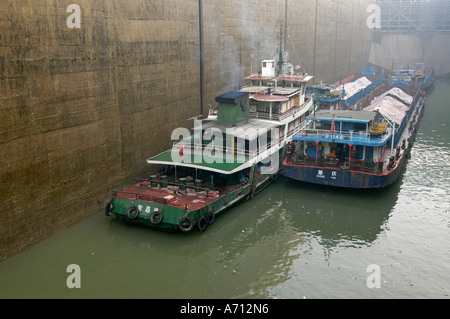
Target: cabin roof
[[220, 163], [279, 90], [216, 164], [231, 97], [290, 78], [343, 116], [269, 98], [249, 129]]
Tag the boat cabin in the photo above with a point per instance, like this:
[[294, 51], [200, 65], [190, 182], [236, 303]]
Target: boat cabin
[[227, 146], [326, 96], [275, 97], [341, 137], [415, 76]]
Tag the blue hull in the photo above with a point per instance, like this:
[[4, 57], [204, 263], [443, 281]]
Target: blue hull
[[321, 174], [337, 177], [342, 178]]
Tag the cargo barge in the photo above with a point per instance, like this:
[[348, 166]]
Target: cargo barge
[[365, 148]]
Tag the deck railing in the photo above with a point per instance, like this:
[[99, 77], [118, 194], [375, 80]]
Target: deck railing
[[281, 116], [346, 165], [163, 200], [317, 134], [148, 182], [218, 149]]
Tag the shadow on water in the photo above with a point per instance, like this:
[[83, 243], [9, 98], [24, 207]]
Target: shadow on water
[[254, 245], [289, 241], [355, 217], [334, 212], [279, 244], [246, 250], [250, 249]]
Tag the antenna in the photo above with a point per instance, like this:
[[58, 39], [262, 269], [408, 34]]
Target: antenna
[[281, 59]]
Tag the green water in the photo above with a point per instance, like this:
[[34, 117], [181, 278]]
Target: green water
[[293, 241]]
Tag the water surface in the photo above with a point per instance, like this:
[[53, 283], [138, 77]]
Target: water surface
[[294, 240]]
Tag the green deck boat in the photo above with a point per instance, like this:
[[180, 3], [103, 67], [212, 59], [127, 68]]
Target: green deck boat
[[229, 157], [226, 160]]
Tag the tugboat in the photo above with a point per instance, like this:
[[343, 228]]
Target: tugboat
[[346, 93], [365, 148], [201, 176], [279, 99], [229, 157], [278, 94], [226, 160], [417, 76]]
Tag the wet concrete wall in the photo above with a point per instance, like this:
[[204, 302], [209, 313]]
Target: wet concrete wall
[[327, 38], [403, 49], [83, 108]]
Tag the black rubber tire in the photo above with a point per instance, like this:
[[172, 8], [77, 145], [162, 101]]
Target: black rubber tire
[[130, 214], [156, 218], [109, 209], [202, 223], [186, 224], [210, 218]]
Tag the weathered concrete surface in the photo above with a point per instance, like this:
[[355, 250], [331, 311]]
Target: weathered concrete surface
[[239, 34], [400, 50], [340, 45], [82, 109]]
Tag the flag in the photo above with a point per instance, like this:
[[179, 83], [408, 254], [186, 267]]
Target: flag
[[182, 150], [332, 126]]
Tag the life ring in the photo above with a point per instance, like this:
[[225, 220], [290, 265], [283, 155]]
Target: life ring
[[186, 224], [210, 217], [109, 209], [133, 212], [156, 218], [202, 223]]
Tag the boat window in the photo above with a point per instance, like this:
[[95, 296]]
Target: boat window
[[360, 127]]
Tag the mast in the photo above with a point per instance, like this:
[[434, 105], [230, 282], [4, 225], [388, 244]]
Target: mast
[[281, 58], [285, 24], [202, 67]]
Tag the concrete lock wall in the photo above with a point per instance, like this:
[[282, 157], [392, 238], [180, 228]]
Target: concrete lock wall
[[89, 92], [401, 50]]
